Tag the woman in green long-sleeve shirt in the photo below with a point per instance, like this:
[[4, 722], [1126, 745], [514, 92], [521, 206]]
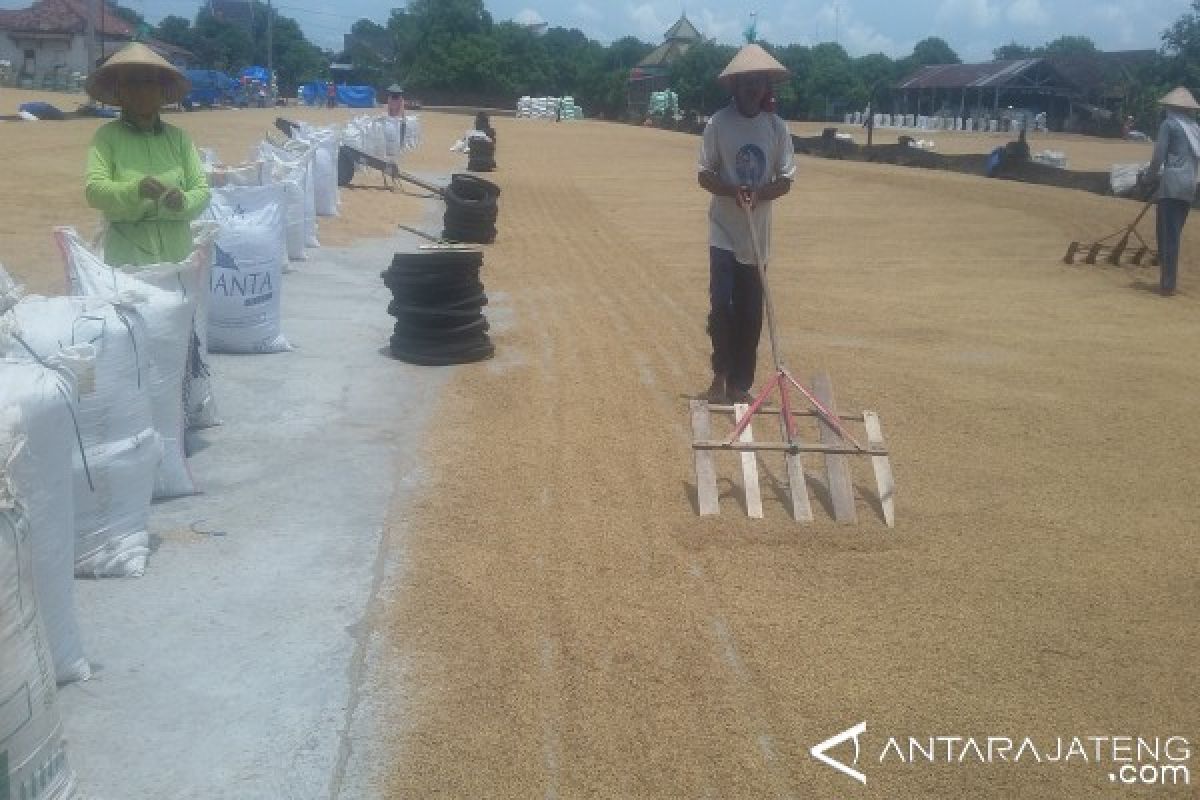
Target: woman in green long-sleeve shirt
[[143, 174]]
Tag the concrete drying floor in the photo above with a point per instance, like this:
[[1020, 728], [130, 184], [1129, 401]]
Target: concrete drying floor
[[232, 668]]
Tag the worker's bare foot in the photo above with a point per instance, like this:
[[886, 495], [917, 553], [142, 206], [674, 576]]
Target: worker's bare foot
[[716, 390]]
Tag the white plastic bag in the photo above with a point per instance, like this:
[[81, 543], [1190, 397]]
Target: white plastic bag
[[41, 473], [114, 476], [170, 315], [33, 761], [289, 173], [324, 167], [295, 162], [247, 274]]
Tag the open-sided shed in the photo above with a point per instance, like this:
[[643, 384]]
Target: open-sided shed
[[1061, 87]]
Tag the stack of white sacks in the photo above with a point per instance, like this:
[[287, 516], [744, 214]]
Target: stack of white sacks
[[96, 392], [383, 137], [548, 108]]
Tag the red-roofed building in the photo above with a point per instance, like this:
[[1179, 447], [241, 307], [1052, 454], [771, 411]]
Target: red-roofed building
[[47, 41]]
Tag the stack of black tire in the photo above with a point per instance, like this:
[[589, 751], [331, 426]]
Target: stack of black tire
[[470, 209], [438, 300], [481, 154]]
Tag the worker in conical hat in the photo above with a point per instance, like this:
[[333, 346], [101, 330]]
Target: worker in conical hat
[[144, 175], [1175, 164], [395, 102], [745, 161]]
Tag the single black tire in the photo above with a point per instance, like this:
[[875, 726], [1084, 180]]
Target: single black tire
[[470, 234], [408, 320], [421, 286], [472, 184], [425, 358], [438, 294], [469, 218], [474, 304], [405, 327], [430, 338], [437, 258], [424, 340]]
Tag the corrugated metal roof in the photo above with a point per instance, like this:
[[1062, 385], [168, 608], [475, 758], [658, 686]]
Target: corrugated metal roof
[[962, 76], [665, 54], [683, 29]]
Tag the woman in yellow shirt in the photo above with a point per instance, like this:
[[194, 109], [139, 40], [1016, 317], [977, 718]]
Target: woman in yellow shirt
[[143, 174]]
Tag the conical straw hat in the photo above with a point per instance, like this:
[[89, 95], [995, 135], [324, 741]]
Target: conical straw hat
[[750, 59], [103, 82], [1179, 97]]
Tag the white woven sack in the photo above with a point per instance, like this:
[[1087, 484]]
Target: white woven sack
[[114, 476], [170, 316], [298, 158], [247, 273], [32, 756], [324, 168], [289, 173], [252, 173], [188, 280], [41, 475]]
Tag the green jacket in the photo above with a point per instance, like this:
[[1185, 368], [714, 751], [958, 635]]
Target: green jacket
[[143, 231]]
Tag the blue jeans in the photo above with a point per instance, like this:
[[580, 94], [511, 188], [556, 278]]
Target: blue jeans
[[1169, 218], [734, 318]]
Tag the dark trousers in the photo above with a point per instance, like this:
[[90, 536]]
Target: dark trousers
[[1169, 218], [735, 317]]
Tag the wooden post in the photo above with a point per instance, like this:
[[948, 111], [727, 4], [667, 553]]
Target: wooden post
[[841, 487], [706, 472]]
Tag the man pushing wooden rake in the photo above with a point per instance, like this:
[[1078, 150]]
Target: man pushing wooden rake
[[746, 162]]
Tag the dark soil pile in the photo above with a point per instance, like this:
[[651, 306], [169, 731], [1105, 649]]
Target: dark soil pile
[[972, 164]]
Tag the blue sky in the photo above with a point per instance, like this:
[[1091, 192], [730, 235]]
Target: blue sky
[[972, 27]]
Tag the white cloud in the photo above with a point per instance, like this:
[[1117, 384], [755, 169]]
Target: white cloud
[[527, 16], [1028, 12], [586, 11], [975, 13], [647, 23], [721, 27], [860, 40]]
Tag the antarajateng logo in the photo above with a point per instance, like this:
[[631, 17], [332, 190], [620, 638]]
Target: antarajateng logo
[[1126, 759]]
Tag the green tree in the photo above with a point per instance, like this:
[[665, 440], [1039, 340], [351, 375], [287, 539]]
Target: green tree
[[1069, 46], [694, 76], [933, 50], [175, 30], [830, 83], [1013, 51], [1181, 47], [873, 74]]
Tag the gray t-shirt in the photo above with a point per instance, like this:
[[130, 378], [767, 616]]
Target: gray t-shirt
[[744, 151]]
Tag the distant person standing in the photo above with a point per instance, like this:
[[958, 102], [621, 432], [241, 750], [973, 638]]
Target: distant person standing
[[144, 175], [1176, 157], [395, 101], [330, 95], [745, 162]]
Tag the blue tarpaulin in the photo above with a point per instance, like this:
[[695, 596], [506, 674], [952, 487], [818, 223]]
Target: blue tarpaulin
[[209, 87], [41, 110], [356, 96], [259, 74], [314, 94]]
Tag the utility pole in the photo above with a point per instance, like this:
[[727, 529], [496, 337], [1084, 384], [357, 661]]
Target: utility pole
[[270, 54], [90, 36], [837, 22]]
